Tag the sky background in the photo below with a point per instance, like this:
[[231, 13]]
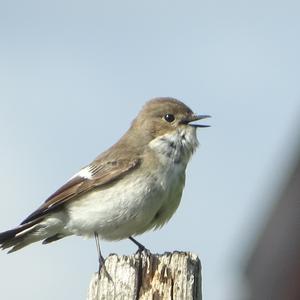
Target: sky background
[[73, 74]]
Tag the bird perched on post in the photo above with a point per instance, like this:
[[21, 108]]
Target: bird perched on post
[[134, 186]]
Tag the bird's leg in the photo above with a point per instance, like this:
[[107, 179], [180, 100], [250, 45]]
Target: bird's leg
[[141, 247], [101, 259]]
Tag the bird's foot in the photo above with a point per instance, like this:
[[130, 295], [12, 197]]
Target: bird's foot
[[141, 247], [101, 262]]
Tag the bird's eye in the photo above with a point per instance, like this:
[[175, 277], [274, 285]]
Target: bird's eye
[[169, 118]]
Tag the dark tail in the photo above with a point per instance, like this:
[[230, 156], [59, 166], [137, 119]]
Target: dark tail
[[18, 237]]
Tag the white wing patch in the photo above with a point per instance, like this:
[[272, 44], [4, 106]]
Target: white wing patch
[[84, 173]]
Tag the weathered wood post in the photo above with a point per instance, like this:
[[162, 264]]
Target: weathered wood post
[[147, 276]]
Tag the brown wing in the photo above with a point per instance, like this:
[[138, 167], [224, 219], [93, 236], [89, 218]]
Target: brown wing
[[99, 175]]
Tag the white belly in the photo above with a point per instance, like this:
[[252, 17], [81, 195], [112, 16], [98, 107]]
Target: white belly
[[130, 207], [139, 201]]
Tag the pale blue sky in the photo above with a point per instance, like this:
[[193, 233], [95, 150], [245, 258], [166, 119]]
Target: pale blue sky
[[73, 74]]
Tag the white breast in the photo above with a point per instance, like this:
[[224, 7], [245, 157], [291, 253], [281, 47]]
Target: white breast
[[140, 201], [174, 151]]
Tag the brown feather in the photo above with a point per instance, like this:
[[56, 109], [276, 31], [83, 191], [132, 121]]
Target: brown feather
[[102, 174]]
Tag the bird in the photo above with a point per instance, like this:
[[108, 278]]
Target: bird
[[134, 186]]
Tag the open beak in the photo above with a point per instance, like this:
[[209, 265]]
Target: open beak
[[194, 118]]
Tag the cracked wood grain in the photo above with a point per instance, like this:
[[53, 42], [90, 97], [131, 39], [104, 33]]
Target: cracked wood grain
[[173, 276]]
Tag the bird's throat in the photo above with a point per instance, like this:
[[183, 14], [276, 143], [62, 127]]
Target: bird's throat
[[177, 146]]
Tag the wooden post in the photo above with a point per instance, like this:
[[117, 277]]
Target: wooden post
[[146, 276]]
